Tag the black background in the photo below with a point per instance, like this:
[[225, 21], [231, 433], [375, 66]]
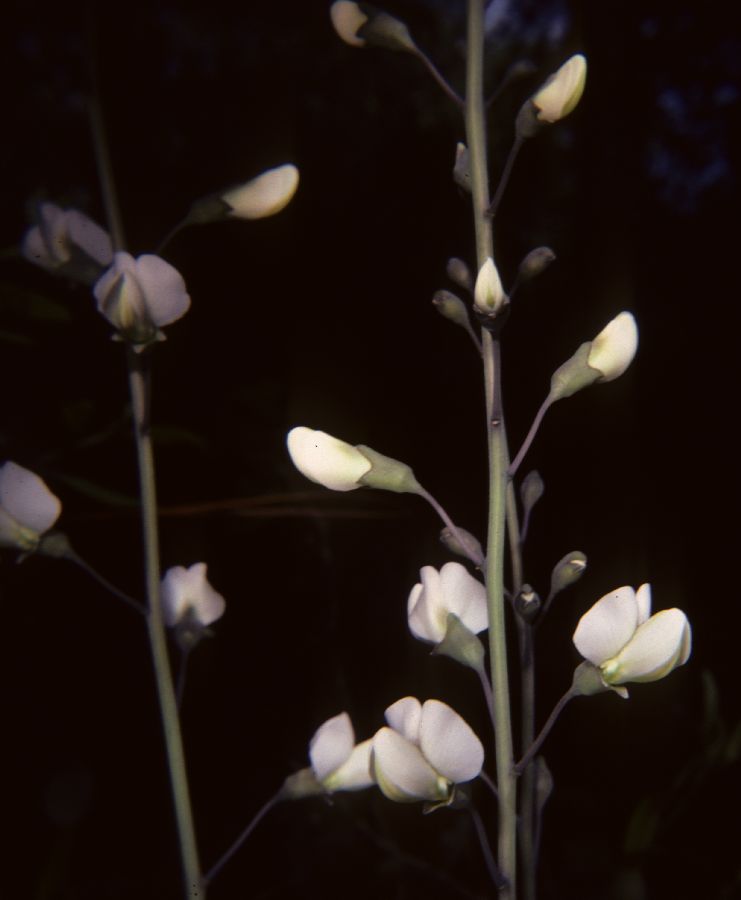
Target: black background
[[321, 316]]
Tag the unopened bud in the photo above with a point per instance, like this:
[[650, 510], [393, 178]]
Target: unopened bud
[[388, 474], [567, 571], [451, 307], [461, 168], [488, 293], [531, 490], [462, 543], [459, 272], [527, 603], [534, 263], [554, 100]]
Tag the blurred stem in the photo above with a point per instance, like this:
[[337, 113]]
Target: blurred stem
[[475, 558], [544, 731], [494, 873], [498, 462], [256, 819], [105, 171], [182, 674], [139, 386], [492, 210], [72, 556], [435, 72], [545, 406]]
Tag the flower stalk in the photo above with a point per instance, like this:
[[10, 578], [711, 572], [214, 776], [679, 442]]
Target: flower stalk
[[498, 460]]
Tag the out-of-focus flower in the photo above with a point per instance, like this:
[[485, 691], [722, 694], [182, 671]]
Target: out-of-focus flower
[[451, 590], [602, 359], [562, 91], [27, 507], [340, 466], [139, 296], [426, 750], [337, 762], [623, 642], [188, 599], [359, 24], [68, 242], [263, 196]]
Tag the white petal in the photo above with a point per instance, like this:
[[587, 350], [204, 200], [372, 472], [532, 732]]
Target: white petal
[[658, 646], [607, 627], [355, 773], [163, 288], [348, 18], [449, 743], [27, 499], [331, 746], [425, 608], [265, 195], [562, 91], [404, 716], [89, 237], [643, 601], [326, 459], [465, 596], [613, 349], [488, 293], [401, 772], [183, 589]]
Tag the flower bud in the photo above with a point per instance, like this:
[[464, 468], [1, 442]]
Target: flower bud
[[488, 294], [531, 490], [567, 571], [327, 460], [387, 474], [527, 603], [451, 307], [27, 507], [461, 168], [534, 263], [554, 100], [603, 359], [359, 24], [67, 242], [459, 272], [470, 546]]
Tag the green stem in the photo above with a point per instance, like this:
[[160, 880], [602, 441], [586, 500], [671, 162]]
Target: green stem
[[138, 364], [498, 461], [544, 731]]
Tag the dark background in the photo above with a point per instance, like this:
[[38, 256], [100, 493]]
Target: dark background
[[321, 316]]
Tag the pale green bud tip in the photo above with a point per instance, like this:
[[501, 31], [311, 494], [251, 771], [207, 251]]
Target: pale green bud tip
[[347, 18], [535, 262], [488, 294], [459, 272], [613, 349], [327, 460], [451, 307], [562, 91], [568, 570], [461, 542], [461, 167], [265, 195], [531, 489]]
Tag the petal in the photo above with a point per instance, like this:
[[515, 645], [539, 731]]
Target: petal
[[658, 646], [326, 460], [348, 18], [183, 589], [643, 599], [425, 609], [331, 746], [26, 498], [172, 594], [401, 772], [355, 773], [562, 91], [613, 349], [163, 288], [265, 195], [449, 743], [404, 717], [89, 237], [607, 627], [465, 596]]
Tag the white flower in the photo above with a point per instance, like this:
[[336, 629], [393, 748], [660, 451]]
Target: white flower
[[562, 91], [613, 349], [264, 195], [488, 293], [620, 640], [27, 507], [326, 459], [337, 762], [139, 296], [425, 752], [451, 590], [67, 240], [186, 593], [347, 19]]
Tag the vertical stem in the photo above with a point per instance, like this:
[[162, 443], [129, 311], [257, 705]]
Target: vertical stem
[[498, 461], [138, 364]]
